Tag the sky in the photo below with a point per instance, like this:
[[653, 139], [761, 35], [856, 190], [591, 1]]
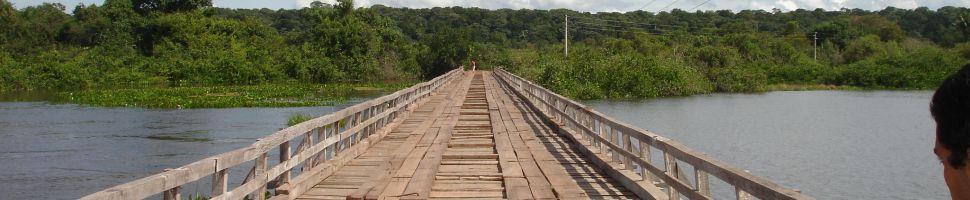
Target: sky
[[580, 5]]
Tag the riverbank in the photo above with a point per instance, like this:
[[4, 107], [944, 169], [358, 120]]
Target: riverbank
[[806, 87], [266, 95]]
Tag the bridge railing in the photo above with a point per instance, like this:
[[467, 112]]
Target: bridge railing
[[327, 143], [626, 150]]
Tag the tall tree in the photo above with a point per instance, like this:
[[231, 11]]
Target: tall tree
[[169, 6], [447, 50]]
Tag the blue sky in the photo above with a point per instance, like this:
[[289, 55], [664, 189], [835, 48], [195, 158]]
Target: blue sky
[[581, 5]]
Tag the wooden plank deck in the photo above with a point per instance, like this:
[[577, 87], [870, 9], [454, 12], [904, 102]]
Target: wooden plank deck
[[462, 135], [474, 139]]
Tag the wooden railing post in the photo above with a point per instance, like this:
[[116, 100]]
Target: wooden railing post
[[285, 156], [337, 145], [703, 184], [587, 125], [645, 155], [174, 193], [332, 132], [671, 166], [599, 136], [628, 146], [220, 180], [260, 170], [306, 144], [594, 130], [614, 158], [741, 195]]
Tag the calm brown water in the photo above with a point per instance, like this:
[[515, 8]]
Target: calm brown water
[[828, 144]]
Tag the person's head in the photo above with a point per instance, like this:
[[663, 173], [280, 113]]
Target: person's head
[[950, 108]]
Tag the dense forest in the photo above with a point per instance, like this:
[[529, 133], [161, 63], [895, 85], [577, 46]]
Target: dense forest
[[175, 43]]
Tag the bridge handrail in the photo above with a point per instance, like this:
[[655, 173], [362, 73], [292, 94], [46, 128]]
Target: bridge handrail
[[335, 133], [616, 138]]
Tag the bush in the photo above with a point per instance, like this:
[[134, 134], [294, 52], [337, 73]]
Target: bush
[[963, 50], [807, 73], [297, 118], [922, 68], [593, 73], [738, 79]]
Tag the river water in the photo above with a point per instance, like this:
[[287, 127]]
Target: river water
[[828, 144], [66, 151]]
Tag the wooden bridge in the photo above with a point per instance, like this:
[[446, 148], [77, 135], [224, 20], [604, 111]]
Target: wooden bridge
[[479, 135]]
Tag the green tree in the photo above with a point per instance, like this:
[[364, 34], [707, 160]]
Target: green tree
[[875, 24], [9, 22], [445, 51], [169, 6]]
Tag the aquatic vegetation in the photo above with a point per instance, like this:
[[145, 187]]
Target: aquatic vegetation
[[297, 118], [805, 87], [272, 95]]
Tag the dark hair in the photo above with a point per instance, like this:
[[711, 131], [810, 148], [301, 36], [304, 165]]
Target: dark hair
[[951, 110]]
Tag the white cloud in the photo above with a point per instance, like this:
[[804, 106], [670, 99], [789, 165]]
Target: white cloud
[[756, 5], [787, 5], [306, 3]]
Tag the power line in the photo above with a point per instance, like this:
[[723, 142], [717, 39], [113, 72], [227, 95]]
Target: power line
[[611, 27], [645, 6], [668, 5], [614, 28], [699, 5], [592, 24], [617, 21], [692, 30], [653, 26], [606, 27], [628, 31]]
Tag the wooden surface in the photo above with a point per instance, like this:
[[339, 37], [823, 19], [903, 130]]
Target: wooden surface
[[464, 135], [608, 142], [350, 130], [472, 140]]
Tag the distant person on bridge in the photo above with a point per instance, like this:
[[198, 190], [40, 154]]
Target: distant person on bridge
[[473, 65], [951, 110]]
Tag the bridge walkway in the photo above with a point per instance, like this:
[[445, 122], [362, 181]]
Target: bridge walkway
[[462, 135], [474, 139]]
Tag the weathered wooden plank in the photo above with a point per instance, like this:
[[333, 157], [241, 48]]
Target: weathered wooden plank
[[762, 188], [483, 194], [423, 177], [145, 187], [562, 150]]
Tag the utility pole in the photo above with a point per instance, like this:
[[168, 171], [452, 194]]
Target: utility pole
[[566, 41], [815, 47]]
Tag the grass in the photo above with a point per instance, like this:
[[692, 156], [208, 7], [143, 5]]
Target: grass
[[297, 118], [805, 87], [269, 95]]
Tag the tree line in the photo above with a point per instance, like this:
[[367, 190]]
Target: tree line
[[642, 54], [164, 43]]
